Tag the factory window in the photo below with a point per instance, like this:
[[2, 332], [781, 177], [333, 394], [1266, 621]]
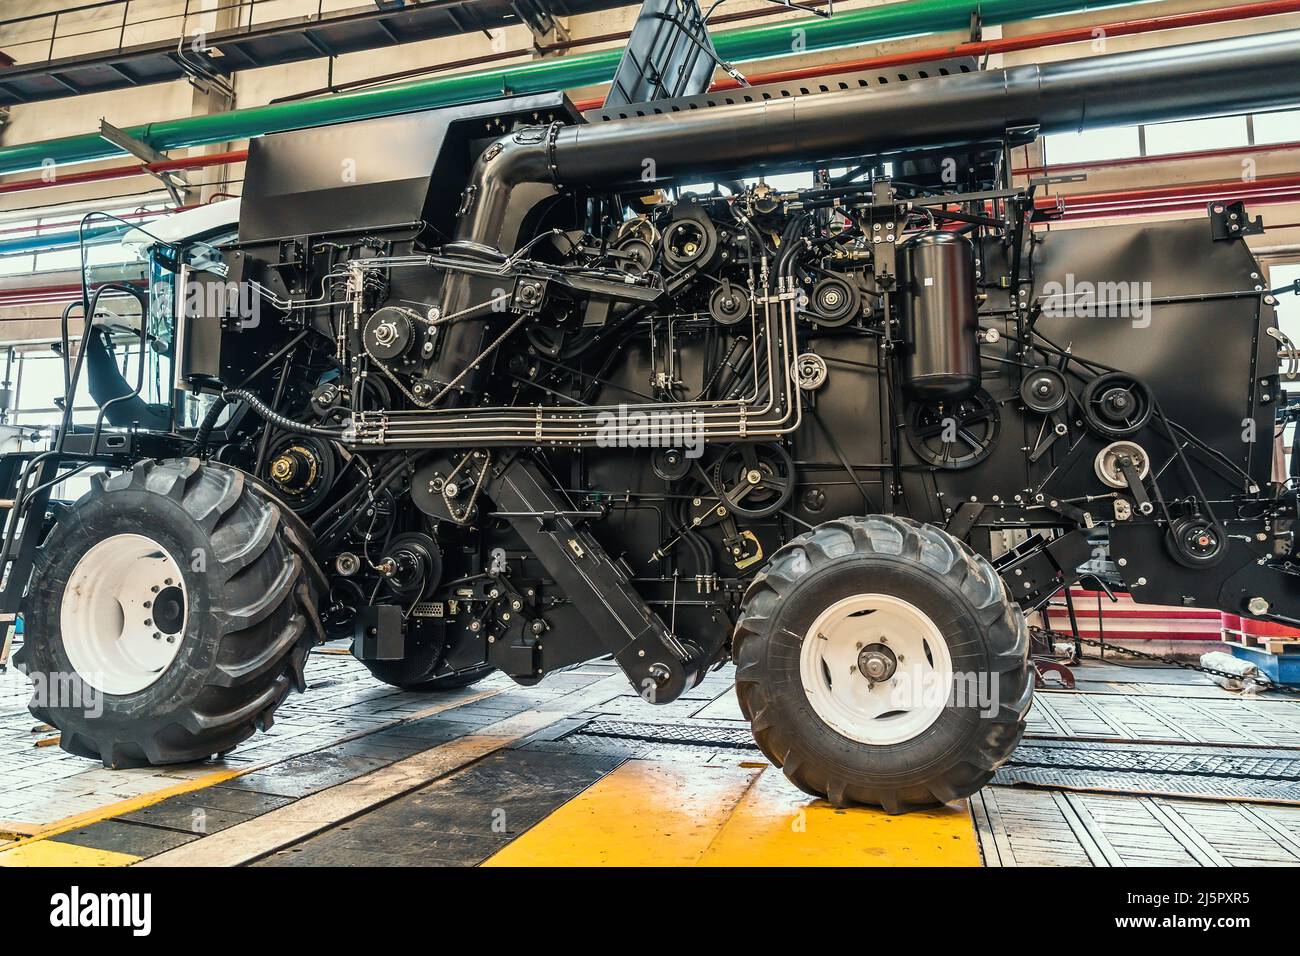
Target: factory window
[[104, 246], [35, 375], [1164, 139], [1281, 126], [17, 265], [1190, 136], [1093, 145]]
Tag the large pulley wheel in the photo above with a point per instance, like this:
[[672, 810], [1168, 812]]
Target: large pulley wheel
[[882, 662], [171, 612], [754, 481], [1116, 405], [301, 469], [954, 434], [1197, 542]]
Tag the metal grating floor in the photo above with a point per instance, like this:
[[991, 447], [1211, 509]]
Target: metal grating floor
[[1021, 827], [1267, 722]]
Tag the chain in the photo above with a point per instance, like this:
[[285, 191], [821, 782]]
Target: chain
[[1159, 658], [392, 377], [465, 513]]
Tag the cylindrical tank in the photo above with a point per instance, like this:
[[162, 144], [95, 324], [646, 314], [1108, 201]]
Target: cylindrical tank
[[936, 272]]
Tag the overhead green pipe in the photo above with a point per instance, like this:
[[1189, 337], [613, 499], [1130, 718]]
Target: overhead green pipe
[[870, 24]]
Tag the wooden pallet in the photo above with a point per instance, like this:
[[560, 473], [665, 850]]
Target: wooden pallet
[[1272, 645]]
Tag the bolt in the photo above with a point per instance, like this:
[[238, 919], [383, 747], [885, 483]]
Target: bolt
[[1257, 606]]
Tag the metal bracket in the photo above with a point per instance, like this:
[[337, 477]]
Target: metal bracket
[[1229, 220], [546, 29], [148, 155]]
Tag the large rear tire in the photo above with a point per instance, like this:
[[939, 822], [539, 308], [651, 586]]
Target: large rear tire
[[171, 612], [882, 662]]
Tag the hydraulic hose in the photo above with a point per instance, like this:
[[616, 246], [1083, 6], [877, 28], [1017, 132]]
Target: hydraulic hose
[[272, 417]]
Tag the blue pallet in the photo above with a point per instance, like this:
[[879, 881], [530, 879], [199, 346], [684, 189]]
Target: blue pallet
[[1279, 668]]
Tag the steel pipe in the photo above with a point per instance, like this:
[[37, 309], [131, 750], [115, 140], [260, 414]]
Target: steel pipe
[[1176, 82]]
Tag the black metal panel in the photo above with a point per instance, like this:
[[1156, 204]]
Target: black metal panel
[[374, 173], [763, 92], [669, 54], [1180, 345]]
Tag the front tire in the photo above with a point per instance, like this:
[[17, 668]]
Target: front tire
[[171, 611], [882, 662]]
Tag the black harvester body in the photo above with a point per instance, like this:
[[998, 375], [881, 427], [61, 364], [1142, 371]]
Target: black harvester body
[[517, 388]]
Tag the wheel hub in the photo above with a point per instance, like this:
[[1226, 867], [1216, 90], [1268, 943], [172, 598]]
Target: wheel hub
[[123, 614], [876, 669], [876, 662], [169, 610]]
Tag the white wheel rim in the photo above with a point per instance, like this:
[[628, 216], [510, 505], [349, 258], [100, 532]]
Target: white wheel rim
[[124, 613], [898, 703]]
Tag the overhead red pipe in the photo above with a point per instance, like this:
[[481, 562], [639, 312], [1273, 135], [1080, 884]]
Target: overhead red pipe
[[124, 172], [1187, 197], [1223, 153], [44, 295], [72, 223], [1224, 188]]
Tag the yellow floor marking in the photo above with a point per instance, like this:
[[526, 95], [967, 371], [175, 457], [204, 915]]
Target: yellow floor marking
[[12, 830], [657, 813], [775, 824], [255, 838], [54, 853], [249, 841], [645, 813], [132, 804]]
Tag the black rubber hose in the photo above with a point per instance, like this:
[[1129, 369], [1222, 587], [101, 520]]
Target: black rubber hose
[[273, 417], [209, 423]]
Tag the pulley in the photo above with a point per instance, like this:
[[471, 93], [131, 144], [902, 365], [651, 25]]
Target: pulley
[[1110, 460], [1197, 542], [412, 564], [810, 371], [389, 332], [954, 434], [689, 241], [1044, 390], [729, 304], [670, 464], [301, 468], [1116, 405], [753, 480], [833, 302]]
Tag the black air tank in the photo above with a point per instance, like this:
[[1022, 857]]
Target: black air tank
[[937, 302]]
